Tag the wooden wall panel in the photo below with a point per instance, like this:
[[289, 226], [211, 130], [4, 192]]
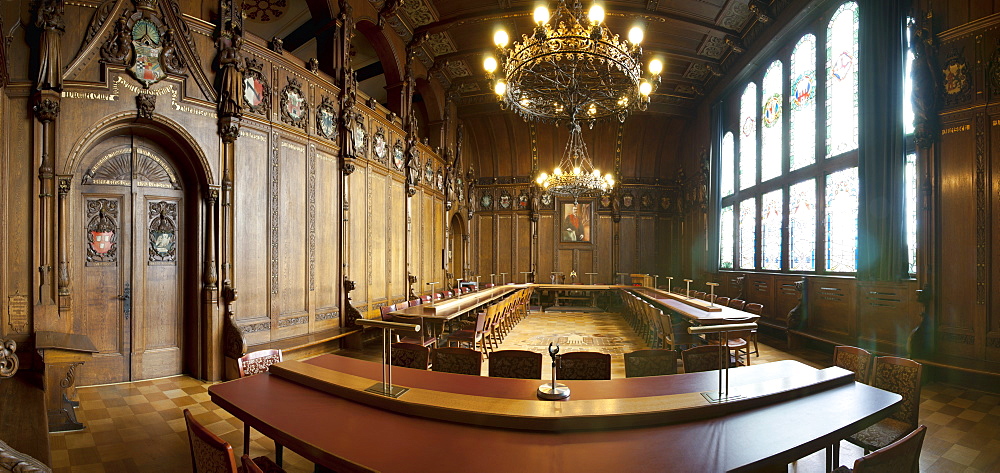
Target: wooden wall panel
[[396, 221], [646, 243], [250, 176], [992, 322], [604, 249], [358, 231], [565, 263], [546, 258], [627, 248], [785, 298], [327, 286], [522, 252], [831, 303], [439, 236], [887, 314], [376, 236], [505, 233], [427, 242], [293, 241], [484, 246], [957, 306], [759, 289]]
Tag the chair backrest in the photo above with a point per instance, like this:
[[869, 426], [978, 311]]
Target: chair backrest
[[209, 453], [901, 376], [723, 301], [754, 308], [515, 364], [257, 362], [651, 362], [702, 358], [854, 359], [415, 302], [410, 355], [584, 365], [457, 360], [249, 466], [737, 304], [902, 456], [384, 312]]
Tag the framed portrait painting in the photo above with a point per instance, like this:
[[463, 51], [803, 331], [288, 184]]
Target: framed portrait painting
[[575, 221]]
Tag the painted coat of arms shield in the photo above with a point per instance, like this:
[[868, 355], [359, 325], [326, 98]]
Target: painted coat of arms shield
[[146, 67]]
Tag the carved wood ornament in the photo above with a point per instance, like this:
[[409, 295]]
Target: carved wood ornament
[[294, 105]]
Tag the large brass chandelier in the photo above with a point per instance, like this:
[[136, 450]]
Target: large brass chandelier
[[572, 65], [575, 176], [572, 69]]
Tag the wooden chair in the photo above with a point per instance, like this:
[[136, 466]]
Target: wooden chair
[[415, 302], [651, 362], [211, 454], [758, 310], [584, 365], [737, 304], [901, 376], [515, 364], [738, 341], [701, 358], [854, 359], [421, 337], [472, 336], [901, 456], [457, 360], [255, 363], [384, 312], [723, 301], [411, 355]]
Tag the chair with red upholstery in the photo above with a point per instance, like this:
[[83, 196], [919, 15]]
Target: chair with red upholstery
[[701, 358], [902, 456], [384, 312], [737, 304], [584, 365], [723, 301], [421, 337], [255, 363], [515, 364], [211, 454], [650, 362], [457, 360], [410, 355]]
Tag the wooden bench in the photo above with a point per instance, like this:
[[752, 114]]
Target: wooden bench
[[24, 425], [293, 348]]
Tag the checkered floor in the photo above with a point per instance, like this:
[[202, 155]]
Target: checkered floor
[[139, 426]]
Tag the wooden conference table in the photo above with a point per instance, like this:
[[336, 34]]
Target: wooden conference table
[[381, 434]]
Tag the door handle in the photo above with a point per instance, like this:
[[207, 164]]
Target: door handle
[[126, 299]]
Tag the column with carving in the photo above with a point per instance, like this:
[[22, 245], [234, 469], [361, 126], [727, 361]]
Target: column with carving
[[212, 362], [65, 300], [230, 68]]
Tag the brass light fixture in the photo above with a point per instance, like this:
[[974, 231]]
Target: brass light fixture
[[572, 69], [572, 65]]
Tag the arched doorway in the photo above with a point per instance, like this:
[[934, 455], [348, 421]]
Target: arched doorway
[[457, 245], [135, 239]]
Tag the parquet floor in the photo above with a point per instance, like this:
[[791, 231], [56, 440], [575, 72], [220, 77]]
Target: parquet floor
[[139, 426]]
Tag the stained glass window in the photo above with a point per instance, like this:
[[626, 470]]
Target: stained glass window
[[908, 83], [802, 226], [771, 130], [726, 249], [910, 207], [842, 81], [770, 230], [842, 221], [728, 164], [802, 104], [748, 137], [748, 232]]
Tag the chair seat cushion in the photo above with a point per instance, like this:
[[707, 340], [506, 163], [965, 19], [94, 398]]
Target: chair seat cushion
[[418, 341], [463, 335], [881, 434]]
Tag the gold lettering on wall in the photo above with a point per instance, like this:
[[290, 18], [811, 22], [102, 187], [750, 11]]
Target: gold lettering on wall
[[89, 96], [957, 129], [17, 312], [293, 147], [253, 136]]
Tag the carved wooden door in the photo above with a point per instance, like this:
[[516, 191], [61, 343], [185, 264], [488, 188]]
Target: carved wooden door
[[131, 300]]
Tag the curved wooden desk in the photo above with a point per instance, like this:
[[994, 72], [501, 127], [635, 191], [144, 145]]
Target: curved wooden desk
[[350, 436]]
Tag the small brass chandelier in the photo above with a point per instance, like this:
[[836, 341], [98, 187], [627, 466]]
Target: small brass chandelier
[[571, 65], [575, 176]]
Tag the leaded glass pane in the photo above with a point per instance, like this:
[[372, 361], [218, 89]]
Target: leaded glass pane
[[802, 226], [910, 207], [771, 123], [748, 137], [842, 221], [908, 94], [726, 248], [770, 230], [728, 164], [842, 81], [802, 104], [748, 232]]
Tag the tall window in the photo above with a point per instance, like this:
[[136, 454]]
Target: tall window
[[910, 202], [727, 178], [802, 104], [842, 81], [771, 130], [748, 137], [802, 216]]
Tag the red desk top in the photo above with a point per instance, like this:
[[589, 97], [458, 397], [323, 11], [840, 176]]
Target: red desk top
[[348, 436]]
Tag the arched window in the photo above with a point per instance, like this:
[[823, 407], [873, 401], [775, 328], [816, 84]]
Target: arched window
[[748, 233], [728, 167], [842, 81], [770, 230], [726, 248], [771, 121], [802, 104], [748, 137]]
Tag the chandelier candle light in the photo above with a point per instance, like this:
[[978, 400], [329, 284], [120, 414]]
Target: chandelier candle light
[[572, 69]]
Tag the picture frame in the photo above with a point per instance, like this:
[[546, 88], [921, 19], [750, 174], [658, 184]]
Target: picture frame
[[576, 222]]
